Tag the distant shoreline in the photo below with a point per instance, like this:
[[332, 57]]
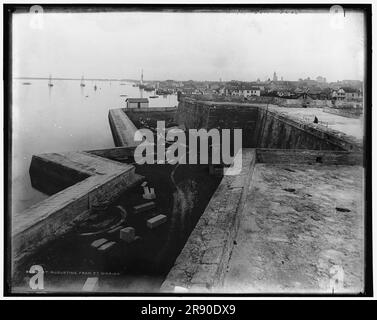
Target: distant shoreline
[[79, 79]]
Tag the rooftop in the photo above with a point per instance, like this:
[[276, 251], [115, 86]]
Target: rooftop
[[137, 99]]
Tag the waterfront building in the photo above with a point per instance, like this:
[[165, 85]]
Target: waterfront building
[[137, 103]]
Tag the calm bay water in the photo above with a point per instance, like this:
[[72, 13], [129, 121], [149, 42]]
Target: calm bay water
[[64, 117]]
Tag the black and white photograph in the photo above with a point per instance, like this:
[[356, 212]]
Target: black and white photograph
[[187, 150]]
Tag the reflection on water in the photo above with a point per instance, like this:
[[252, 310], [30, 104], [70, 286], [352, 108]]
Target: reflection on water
[[64, 117]]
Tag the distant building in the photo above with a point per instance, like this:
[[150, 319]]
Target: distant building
[[339, 95], [137, 103], [280, 85], [346, 94], [247, 91], [352, 93], [241, 90], [275, 77]]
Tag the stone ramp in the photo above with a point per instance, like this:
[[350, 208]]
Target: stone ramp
[[94, 181]]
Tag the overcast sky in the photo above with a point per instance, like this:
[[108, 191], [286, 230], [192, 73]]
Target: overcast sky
[[183, 46]]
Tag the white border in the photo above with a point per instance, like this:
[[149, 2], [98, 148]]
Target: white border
[[374, 146]]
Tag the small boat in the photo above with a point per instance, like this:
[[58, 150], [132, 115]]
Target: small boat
[[95, 87], [153, 97], [162, 92], [123, 95], [135, 85], [26, 83], [146, 88], [50, 82], [82, 84]]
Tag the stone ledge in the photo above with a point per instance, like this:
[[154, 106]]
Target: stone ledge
[[296, 156], [122, 128], [105, 181]]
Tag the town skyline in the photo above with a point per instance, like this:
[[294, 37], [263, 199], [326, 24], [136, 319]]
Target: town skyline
[[184, 80]]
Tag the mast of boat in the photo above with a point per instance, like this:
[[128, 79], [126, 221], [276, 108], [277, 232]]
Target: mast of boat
[[82, 81], [50, 81], [141, 80]]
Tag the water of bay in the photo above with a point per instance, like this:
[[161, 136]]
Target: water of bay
[[65, 117]]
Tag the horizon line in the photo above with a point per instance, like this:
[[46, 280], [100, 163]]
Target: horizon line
[[137, 80]]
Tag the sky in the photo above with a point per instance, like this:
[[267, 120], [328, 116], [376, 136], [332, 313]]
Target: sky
[[189, 46]]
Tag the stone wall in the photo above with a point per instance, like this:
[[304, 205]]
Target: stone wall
[[151, 115], [348, 113], [283, 102], [47, 220], [201, 265], [309, 157], [278, 131], [199, 114], [122, 128], [261, 126]]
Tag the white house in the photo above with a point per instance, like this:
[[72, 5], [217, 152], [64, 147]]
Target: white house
[[137, 103], [250, 91], [244, 91], [339, 94], [347, 94]]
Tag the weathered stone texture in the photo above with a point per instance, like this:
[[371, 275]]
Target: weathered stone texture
[[105, 181], [202, 260], [298, 224], [122, 128]]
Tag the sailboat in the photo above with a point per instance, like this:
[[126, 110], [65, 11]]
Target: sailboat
[[82, 84], [141, 84], [50, 82], [144, 86]]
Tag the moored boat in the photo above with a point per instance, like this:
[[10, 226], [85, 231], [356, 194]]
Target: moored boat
[[50, 82]]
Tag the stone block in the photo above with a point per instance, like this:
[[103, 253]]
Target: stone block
[[156, 221], [99, 242], [127, 234], [144, 207], [107, 246], [149, 193]]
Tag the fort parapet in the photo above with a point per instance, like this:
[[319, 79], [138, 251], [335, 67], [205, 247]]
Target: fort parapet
[[270, 137]]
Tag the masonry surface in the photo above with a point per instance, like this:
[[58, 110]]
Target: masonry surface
[[294, 210], [299, 222]]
